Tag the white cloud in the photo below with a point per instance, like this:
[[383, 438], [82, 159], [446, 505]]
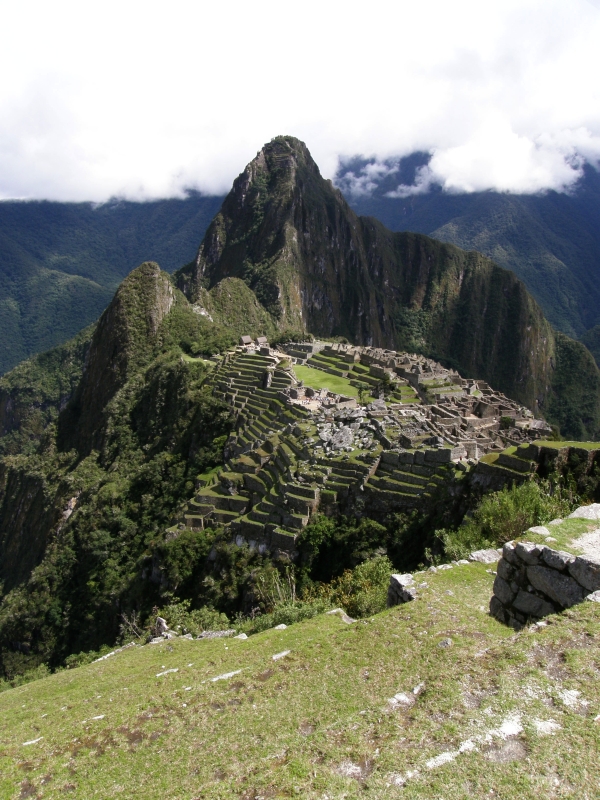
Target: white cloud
[[144, 99]]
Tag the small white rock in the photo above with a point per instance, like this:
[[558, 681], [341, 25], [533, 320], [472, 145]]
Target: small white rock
[[283, 654], [540, 530]]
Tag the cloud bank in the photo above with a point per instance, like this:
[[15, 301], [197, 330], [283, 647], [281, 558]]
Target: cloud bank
[[146, 100]]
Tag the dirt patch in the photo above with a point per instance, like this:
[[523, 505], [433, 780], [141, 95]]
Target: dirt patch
[[510, 750], [359, 770], [28, 789], [551, 660], [306, 728]]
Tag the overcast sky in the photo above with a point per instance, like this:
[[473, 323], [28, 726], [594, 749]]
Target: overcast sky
[[144, 99]]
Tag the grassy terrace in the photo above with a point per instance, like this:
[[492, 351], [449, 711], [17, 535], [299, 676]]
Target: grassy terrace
[[317, 379], [581, 445], [565, 534], [498, 714]]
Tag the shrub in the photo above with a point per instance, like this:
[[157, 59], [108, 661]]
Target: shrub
[[41, 671], [286, 613], [179, 618], [505, 515], [361, 591]]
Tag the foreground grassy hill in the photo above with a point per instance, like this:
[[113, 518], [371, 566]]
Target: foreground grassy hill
[[430, 699]]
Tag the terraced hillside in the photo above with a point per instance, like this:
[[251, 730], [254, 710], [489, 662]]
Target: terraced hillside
[[297, 449]]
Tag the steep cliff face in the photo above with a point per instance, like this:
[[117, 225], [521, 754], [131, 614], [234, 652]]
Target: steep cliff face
[[123, 339], [314, 265]]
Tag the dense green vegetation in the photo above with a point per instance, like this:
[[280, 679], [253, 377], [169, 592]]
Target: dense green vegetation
[[551, 240], [60, 263], [32, 394], [503, 516]]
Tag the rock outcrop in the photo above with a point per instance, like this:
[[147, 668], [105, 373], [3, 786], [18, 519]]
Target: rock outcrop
[[122, 341]]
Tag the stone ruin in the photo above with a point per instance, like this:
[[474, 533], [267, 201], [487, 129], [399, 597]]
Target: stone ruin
[[297, 450]]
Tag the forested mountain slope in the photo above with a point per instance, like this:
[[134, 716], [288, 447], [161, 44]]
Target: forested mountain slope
[[60, 263], [549, 240]]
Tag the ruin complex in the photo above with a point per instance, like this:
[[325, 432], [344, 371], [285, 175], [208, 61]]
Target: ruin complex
[[404, 427]]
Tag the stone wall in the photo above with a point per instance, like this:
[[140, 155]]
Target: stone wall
[[533, 581]]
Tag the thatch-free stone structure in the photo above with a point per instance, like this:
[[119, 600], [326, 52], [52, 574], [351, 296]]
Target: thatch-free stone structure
[[533, 581]]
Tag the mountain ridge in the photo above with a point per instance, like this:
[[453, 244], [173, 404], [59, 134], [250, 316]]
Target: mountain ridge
[[314, 265]]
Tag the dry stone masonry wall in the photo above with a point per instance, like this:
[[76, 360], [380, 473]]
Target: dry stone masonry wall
[[533, 581]]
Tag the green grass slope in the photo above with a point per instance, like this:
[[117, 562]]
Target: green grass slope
[[493, 713]]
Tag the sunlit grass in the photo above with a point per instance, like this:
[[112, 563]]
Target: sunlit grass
[[317, 721]]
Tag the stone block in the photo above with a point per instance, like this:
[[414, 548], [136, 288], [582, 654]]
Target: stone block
[[529, 553], [390, 458], [401, 589], [503, 591], [586, 571], [561, 588], [508, 552], [505, 570], [254, 484], [557, 559], [441, 456], [531, 605], [401, 581]]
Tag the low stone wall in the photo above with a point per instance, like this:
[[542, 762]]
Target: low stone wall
[[402, 589], [533, 581]]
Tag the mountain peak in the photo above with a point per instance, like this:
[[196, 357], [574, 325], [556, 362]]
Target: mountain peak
[[123, 338], [316, 266]]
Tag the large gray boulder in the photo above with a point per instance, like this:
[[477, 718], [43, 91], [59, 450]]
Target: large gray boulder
[[401, 589], [561, 588], [485, 556], [586, 512], [586, 571]]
